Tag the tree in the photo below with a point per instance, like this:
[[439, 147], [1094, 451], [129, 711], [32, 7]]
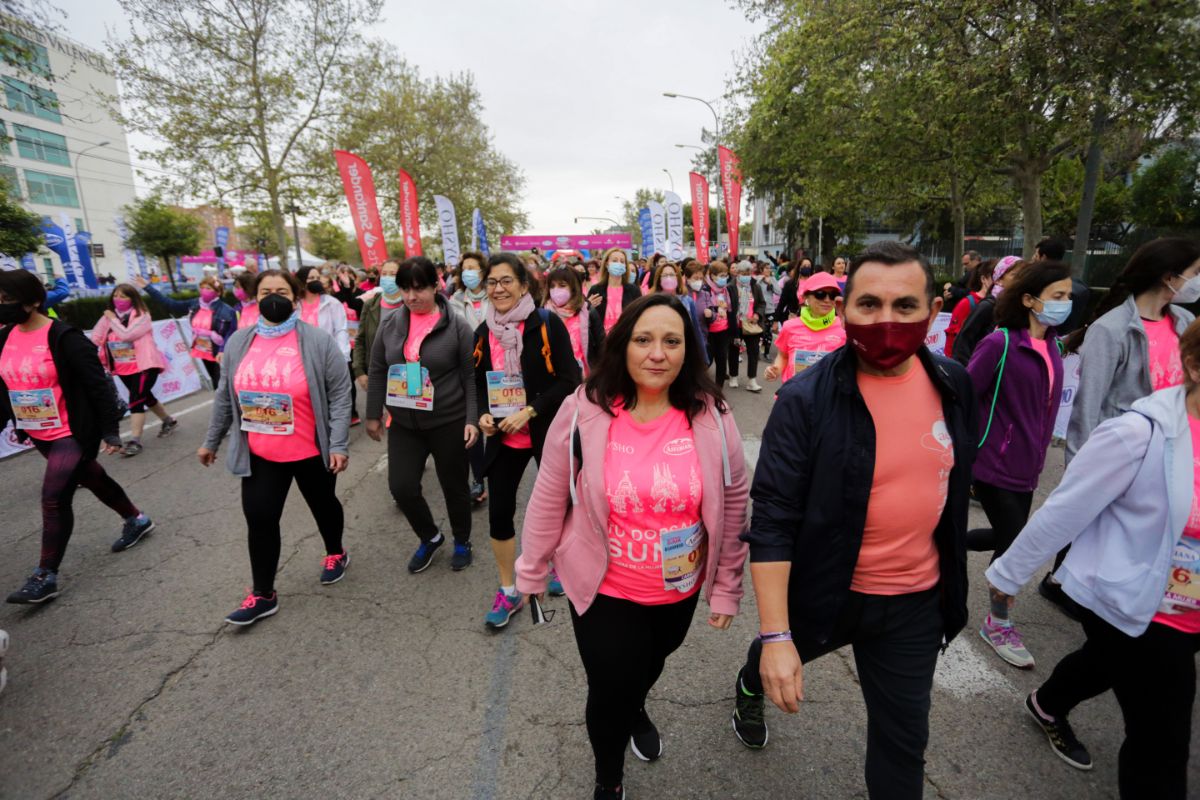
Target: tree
[[258, 232], [395, 118], [1165, 195], [234, 88], [162, 231], [328, 240], [630, 209], [20, 230]]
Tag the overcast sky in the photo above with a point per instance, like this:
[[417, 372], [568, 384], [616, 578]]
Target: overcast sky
[[572, 89]]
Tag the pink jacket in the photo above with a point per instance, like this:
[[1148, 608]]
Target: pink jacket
[[140, 332], [567, 521]]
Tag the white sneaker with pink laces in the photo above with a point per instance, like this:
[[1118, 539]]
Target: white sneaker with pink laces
[[1007, 643]]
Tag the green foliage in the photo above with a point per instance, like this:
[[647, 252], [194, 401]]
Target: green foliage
[[1166, 194], [162, 231], [1061, 189], [20, 230], [259, 226], [329, 241], [630, 209]]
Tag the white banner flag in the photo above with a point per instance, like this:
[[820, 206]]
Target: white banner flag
[[674, 208], [658, 219], [448, 224]]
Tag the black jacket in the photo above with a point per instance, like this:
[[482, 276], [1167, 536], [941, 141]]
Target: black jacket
[[820, 439], [630, 292], [979, 323], [90, 394], [543, 390]]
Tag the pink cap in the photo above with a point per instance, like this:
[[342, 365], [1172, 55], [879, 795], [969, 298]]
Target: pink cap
[[821, 280]]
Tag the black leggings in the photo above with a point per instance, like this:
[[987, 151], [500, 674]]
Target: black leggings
[[353, 391], [752, 345], [408, 450], [623, 646], [66, 469], [264, 493], [504, 479], [477, 455], [141, 390], [214, 371], [718, 349], [1007, 512]]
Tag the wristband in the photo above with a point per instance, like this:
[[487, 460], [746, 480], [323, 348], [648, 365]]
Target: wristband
[[781, 636]]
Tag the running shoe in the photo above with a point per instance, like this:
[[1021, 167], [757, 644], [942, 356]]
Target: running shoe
[[132, 532], [555, 587], [254, 608], [462, 556], [334, 567], [503, 607], [355, 420], [645, 741], [1007, 643], [41, 586], [478, 493], [748, 722], [1062, 738], [168, 428], [733, 384], [602, 793], [132, 448], [424, 555], [753, 386], [1052, 590], [3, 651]]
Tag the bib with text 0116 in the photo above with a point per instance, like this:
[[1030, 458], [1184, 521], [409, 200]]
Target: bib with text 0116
[[409, 386], [506, 396], [271, 413], [122, 353], [682, 555], [34, 409]]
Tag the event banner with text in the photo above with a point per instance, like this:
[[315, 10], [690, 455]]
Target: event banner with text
[[364, 210]]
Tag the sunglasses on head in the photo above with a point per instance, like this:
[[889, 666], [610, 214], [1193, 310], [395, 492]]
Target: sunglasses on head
[[821, 294]]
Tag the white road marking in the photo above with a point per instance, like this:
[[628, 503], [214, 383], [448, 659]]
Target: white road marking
[[963, 671], [750, 446], [380, 465]]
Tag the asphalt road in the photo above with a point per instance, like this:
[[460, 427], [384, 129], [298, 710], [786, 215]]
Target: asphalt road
[[387, 685]]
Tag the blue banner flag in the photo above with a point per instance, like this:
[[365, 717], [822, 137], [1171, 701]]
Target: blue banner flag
[[481, 233], [646, 223], [222, 240], [83, 249]]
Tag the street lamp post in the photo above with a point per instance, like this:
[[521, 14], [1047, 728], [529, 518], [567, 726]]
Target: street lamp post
[[603, 219], [670, 177], [82, 198], [294, 209], [717, 143]]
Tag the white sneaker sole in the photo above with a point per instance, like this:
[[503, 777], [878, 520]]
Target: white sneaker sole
[[263, 615], [638, 753], [345, 566]]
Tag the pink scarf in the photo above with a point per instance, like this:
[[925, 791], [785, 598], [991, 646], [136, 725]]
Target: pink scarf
[[565, 313], [504, 328]]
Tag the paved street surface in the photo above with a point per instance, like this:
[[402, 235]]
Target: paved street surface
[[387, 685]]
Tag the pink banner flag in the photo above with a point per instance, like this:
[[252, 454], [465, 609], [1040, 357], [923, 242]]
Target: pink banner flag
[[410, 215], [700, 215], [360, 194], [731, 188]]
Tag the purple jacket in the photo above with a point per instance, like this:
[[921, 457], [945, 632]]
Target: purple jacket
[[1015, 451]]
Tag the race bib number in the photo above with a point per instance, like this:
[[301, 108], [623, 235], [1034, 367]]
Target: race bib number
[[35, 409], [506, 396], [803, 359], [1183, 581], [203, 344], [271, 413], [682, 557], [122, 353], [408, 386]]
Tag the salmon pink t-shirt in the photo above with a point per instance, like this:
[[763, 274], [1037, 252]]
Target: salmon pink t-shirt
[[612, 308], [27, 367], [1043, 350], [572, 324], [801, 344], [1166, 368], [521, 440], [202, 343], [419, 326], [311, 312], [274, 365], [1185, 567], [913, 458], [653, 481], [248, 317]]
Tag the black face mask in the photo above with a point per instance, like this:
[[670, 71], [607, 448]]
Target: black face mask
[[315, 287], [14, 314], [275, 308]]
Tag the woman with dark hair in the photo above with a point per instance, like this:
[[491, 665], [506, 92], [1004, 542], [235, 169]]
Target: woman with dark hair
[[469, 301], [243, 290], [979, 286], [125, 338], [594, 273], [524, 369], [655, 503], [668, 279], [287, 390], [840, 265], [981, 319], [700, 296], [722, 303], [212, 321], [565, 298], [421, 368], [322, 310], [617, 291], [749, 315], [1017, 373], [54, 391]]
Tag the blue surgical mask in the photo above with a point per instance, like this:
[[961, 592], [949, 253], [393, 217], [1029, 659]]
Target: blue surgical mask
[[470, 278], [744, 280], [616, 268], [721, 281], [388, 284], [1054, 312]]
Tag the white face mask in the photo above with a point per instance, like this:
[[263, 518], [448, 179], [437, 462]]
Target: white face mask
[[1189, 292], [696, 285]]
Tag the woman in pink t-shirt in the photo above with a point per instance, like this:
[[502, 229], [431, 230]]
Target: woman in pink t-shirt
[[212, 321], [617, 291], [653, 512], [565, 298], [125, 338], [288, 391], [243, 290], [54, 391], [804, 340]]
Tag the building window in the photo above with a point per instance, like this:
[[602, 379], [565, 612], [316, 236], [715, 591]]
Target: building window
[[5, 146], [51, 190], [41, 145], [79, 225], [22, 53], [9, 176], [28, 99]]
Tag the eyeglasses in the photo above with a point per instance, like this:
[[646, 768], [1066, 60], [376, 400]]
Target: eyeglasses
[[507, 282], [821, 294]]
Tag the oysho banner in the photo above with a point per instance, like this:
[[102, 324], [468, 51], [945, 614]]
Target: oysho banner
[[674, 208], [364, 209], [699, 188], [410, 215], [731, 188], [658, 221], [448, 224]]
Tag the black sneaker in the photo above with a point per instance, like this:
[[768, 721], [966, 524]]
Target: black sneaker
[[424, 555], [1062, 738], [608, 794], [645, 741], [132, 532], [334, 567], [131, 448], [748, 722], [462, 557], [1053, 591], [254, 608], [168, 428], [41, 586]]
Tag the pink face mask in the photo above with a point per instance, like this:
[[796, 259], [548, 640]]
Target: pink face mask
[[122, 304], [208, 295], [240, 294], [559, 295], [669, 283]]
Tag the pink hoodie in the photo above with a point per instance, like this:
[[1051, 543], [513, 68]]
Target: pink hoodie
[[576, 539], [140, 332]]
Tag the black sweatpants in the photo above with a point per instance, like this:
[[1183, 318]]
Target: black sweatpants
[[752, 345], [718, 349], [477, 457], [214, 371], [1154, 679], [264, 494], [896, 640], [140, 386], [1007, 512], [504, 478], [623, 646], [408, 450]]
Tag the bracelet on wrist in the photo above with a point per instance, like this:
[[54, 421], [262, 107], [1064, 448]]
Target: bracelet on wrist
[[780, 636]]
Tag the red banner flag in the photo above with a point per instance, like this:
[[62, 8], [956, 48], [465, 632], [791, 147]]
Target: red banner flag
[[410, 215], [700, 215], [731, 188], [360, 194]]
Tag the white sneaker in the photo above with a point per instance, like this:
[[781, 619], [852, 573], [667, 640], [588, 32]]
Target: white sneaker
[[1007, 643], [753, 386], [733, 383]]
